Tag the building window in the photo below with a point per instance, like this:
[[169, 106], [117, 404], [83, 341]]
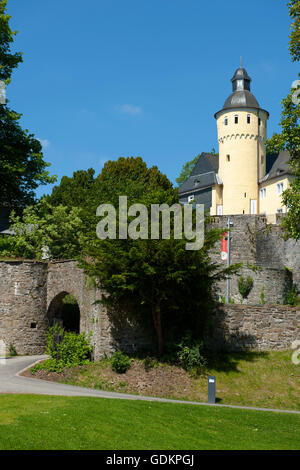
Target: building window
[[228, 158], [279, 188], [263, 193], [248, 118], [259, 121], [226, 121], [191, 198], [236, 119], [262, 159], [219, 209], [279, 211], [245, 194]]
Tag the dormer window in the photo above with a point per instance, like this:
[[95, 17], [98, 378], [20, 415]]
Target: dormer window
[[236, 119], [248, 119], [191, 198], [226, 121], [279, 188], [196, 182]]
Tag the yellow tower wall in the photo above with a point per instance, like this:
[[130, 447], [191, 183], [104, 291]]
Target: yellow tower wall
[[245, 145]]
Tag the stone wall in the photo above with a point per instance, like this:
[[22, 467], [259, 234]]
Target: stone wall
[[23, 319], [259, 245], [242, 327], [31, 293]]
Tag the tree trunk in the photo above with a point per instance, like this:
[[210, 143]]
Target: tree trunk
[[157, 324]]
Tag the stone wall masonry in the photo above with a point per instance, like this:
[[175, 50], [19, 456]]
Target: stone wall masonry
[[23, 319], [270, 286], [109, 329], [29, 292], [255, 243], [256, 327]]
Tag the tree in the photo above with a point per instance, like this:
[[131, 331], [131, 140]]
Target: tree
[[289, 139], [189, 166], [22, 167], [187, 170], [72, 191], [158, 279], [294, 44], [45, 231]]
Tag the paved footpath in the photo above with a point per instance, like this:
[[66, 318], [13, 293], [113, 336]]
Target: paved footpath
[[12, 382]]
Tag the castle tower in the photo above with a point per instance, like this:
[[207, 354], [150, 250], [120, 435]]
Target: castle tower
[[242, 131]]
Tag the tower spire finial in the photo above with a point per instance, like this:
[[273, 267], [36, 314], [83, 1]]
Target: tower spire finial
[[240, 61]]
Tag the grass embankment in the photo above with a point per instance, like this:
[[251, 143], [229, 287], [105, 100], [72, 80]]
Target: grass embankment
[[262, 379], [42, 422]]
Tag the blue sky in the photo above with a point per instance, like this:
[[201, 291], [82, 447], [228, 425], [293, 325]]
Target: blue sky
[[109, 78]]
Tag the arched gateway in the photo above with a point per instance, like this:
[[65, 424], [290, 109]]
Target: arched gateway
[[32, 295]]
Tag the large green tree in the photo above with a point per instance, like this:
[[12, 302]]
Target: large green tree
[[289, 138], [155, 278], [22, 167]]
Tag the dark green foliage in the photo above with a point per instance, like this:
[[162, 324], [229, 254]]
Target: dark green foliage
[[120, 363], [190, 352], [157, 280], [22, 167], [292, 296], [12, 350], [245, 285]]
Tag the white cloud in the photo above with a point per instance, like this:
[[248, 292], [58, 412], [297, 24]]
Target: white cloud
[[45, 142], [129, 109]]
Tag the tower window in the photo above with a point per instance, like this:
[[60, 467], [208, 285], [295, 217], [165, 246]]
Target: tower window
[[259, 121], [245, 194], [236, 119], [262, 159], [248, 118], [228, 158], [226, 121]]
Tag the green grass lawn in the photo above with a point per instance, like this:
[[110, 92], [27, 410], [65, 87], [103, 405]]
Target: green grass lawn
[[42, 422]]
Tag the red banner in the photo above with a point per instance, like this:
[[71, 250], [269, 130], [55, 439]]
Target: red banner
[[224, 246]]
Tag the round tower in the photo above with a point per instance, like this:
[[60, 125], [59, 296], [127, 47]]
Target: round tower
[[242, 131]]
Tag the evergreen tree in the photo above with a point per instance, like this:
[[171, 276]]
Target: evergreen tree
[[22, 167]]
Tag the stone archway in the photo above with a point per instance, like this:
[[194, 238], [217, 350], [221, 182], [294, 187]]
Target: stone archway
[[64, 310]]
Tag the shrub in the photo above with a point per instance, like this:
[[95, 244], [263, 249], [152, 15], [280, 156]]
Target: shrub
[[120, 363], [67, 349], [262, 296], [12, 350], [150, 363], [291, 297], [189, 353], [245, 285]]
